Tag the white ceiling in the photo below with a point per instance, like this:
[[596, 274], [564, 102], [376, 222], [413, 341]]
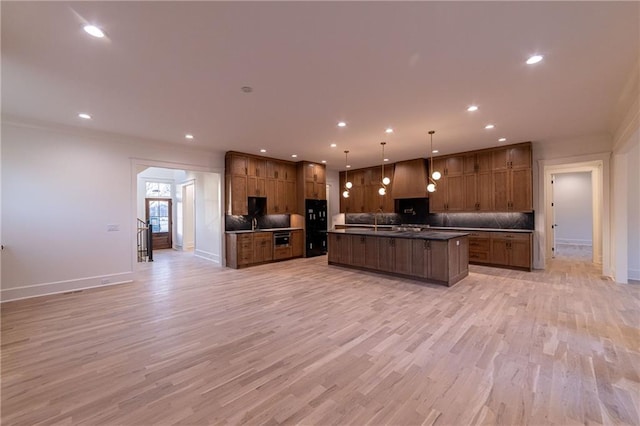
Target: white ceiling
[[170, 68]]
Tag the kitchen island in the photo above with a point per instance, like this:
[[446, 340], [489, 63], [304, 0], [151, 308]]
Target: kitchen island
[[431, 256]]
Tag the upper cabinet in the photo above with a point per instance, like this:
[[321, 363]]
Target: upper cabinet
[[489, 180], [363, 195], [410, 179], [249, 175], [312, 180]]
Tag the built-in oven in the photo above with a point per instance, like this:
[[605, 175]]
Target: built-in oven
[[281, 239]]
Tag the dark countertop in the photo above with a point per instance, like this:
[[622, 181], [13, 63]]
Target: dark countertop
[[440, 228], [247, 231], [525, 231], [419, 235]]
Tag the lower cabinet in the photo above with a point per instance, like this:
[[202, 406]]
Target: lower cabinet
[[252, 248], [297, 243], [511, 250], [364, 251], [442, 261], [394, 255], [501, 249], [262, 247], [339, 248]]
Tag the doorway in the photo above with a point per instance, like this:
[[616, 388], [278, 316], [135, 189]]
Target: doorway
[[572, 208], [597, 167], [158, 214]]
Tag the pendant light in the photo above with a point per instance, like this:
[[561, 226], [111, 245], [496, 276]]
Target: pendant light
[[348, 184], [384, 181], [435, 175]]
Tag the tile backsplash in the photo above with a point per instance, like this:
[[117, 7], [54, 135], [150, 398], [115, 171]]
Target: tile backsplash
[[243, 223], [498, 220]]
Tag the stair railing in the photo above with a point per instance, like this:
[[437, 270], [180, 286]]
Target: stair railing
[[145, 241]]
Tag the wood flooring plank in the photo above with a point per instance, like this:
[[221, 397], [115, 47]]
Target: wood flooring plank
[[302, 342]]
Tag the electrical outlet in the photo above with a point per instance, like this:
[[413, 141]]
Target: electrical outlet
[[113, 228]]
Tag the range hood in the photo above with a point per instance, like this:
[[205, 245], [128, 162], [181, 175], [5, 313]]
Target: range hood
[[410, 179]]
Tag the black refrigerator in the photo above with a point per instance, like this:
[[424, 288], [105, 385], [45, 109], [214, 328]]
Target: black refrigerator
[[315, 224]]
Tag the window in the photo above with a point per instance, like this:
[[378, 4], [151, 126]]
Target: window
[[158, 190]]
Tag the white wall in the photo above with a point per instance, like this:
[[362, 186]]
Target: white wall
[[209, 226], [573, 208], [633, 214], [333, 201], [188, 219], [61, 188]]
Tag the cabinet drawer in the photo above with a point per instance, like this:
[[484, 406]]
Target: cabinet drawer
[[282, 253], [519, 236], [479, 245], [478, 256]]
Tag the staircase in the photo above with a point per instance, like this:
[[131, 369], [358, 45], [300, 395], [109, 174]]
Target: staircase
[[145, 242]]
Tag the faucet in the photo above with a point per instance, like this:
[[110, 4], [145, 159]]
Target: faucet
[[254, 224], [375, 219]]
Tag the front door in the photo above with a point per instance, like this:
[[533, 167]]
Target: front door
[[159, 216]]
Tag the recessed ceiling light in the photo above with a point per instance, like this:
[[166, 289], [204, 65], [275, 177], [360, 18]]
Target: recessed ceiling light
[[333, 145], [435, 151], [348, 166], [247, 89], [386, 159], [502, 140], [294, 155], [84, 115], [472, 108], [263, 150], [389, 130], [342, 124], [188, 136], [489, 126], [324, 161], [94, 31], [534, 59]]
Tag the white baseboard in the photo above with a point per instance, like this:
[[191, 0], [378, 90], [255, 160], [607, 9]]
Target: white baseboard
[[574, 242], [45, 289], [215, 258], [634, 274]]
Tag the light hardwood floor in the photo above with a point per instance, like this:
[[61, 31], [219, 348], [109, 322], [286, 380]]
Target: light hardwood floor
[[303, 342]]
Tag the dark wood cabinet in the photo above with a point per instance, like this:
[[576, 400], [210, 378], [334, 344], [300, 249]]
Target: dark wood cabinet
[[312, 179], [449, 195], [477, 182], [363, 195], [364, 251], [253, 176], [386, 254], [251, 248], [512, 190], [236, 195], [443, 261], [297, 243], [256, 186], [510, 249], [239, 249], [339, 248], [262, 247], [488, 180]]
